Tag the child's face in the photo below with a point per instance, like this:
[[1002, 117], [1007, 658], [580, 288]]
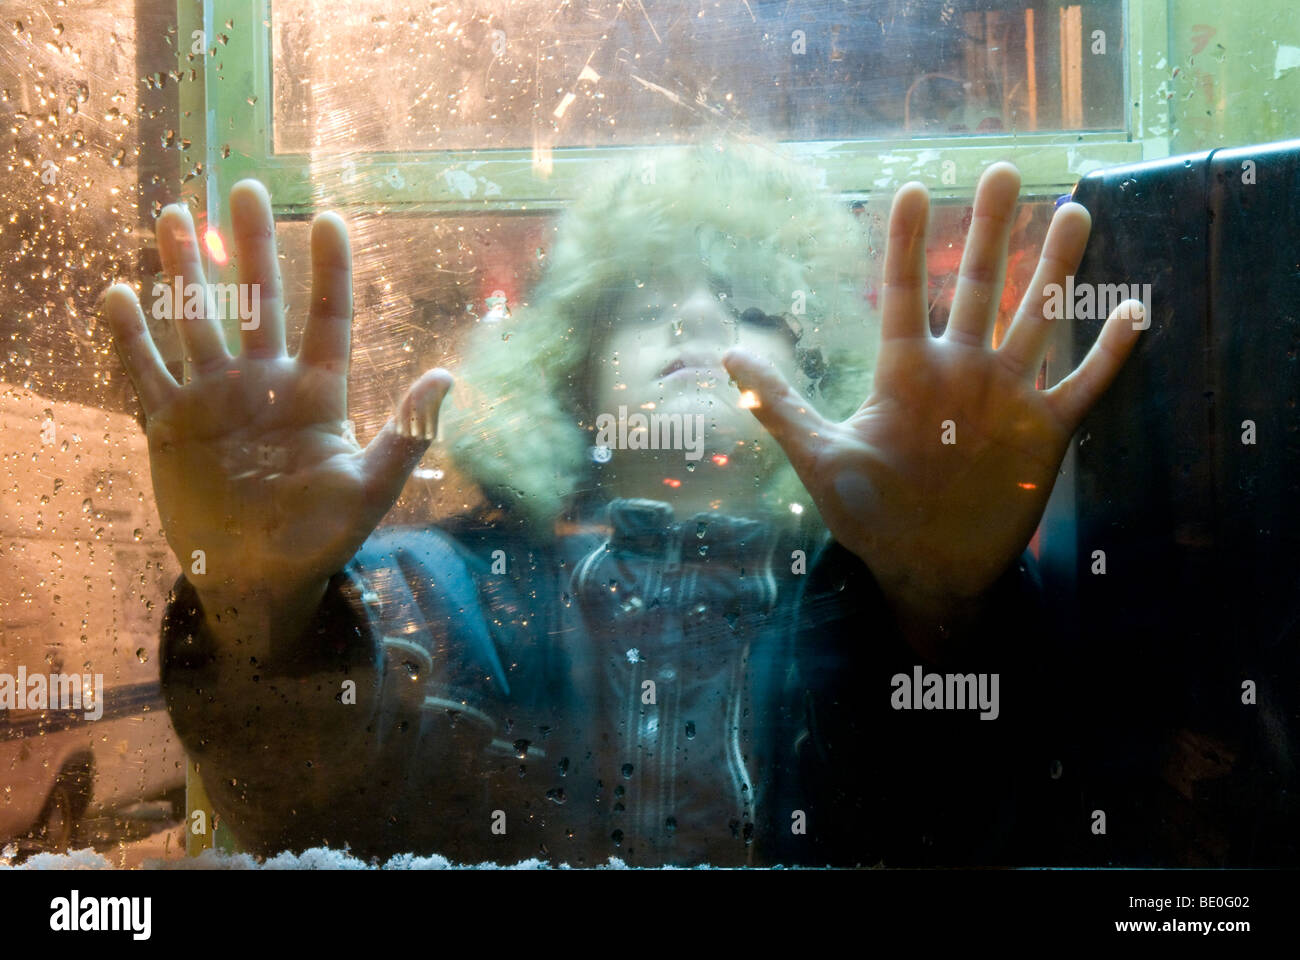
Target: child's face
[[667, 340]]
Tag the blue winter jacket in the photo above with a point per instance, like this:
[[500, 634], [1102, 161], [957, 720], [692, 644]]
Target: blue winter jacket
[[712, 691]]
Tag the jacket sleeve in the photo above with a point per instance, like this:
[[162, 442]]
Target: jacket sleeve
[[916, 787], [372, 729]]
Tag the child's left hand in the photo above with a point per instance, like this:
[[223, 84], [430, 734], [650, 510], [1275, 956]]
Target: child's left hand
[[938, 522]]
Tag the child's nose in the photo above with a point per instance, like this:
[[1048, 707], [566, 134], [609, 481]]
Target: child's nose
[[702, 317]]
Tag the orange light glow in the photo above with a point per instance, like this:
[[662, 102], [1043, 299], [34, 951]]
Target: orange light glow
[[1027, 486], [749, 400], [720, 459], [216, 246], [672, 482]]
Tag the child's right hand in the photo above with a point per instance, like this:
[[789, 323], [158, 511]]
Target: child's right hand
[[262, 489]]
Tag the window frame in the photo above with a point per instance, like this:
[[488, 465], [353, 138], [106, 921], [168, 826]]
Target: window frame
[[225, 105]]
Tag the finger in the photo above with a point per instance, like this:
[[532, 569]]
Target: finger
[[1073, 397], [201, 337], [984, 260], [1063, 248], [259, 267], [154, 385], [328, 335], [906, 311], [398, 447], [789, 418]]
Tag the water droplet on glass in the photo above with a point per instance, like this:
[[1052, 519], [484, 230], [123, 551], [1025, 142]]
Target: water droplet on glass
[[690, 730], [627, 770]]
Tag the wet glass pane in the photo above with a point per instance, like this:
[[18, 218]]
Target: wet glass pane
[[479, 513], [85, 571], [535, 74], [481, 290]]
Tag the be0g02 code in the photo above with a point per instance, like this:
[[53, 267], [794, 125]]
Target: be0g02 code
[[1211, 902]]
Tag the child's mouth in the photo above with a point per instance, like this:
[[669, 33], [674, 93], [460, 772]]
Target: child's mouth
[[693, 364]]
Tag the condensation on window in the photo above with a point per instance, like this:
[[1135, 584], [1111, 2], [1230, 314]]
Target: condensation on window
[[90, 98], [84, 568]]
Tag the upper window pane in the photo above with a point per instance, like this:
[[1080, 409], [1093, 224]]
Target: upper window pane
[[476, 74]]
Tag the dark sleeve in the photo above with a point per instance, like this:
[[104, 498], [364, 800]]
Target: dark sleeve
[[909, 787], [371, 729]]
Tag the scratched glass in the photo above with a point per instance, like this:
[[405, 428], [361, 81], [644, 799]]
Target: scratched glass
[[602, 618], [529, 73]]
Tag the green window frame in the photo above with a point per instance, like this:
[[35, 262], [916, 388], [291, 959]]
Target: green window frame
[[225, 112]]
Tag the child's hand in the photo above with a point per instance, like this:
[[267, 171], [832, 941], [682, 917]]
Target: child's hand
[[937, 523], [262, 489]]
